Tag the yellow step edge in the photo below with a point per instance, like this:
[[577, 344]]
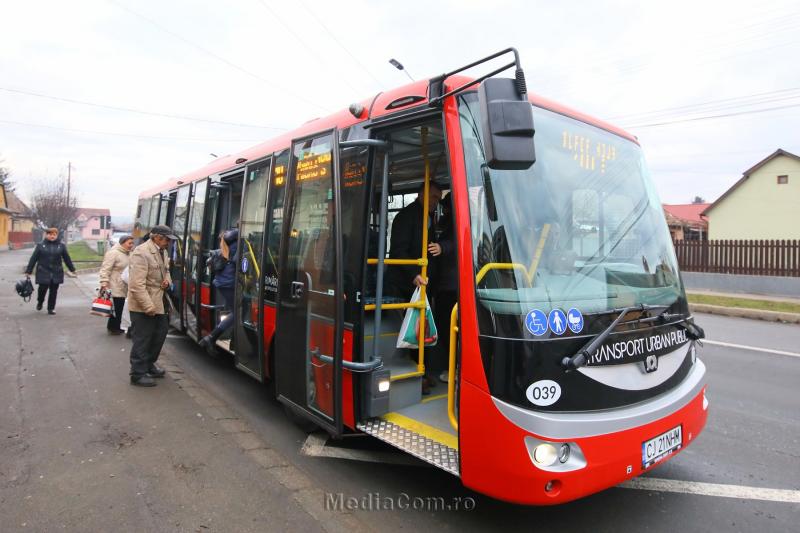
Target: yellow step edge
[[420, 428]]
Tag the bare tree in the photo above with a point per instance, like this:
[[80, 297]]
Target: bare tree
[[5, 178], [51, 205]]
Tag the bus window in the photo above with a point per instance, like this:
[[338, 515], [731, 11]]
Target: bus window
[[275, 225]]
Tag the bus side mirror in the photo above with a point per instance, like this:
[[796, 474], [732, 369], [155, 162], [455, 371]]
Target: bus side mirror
[[507, 125]]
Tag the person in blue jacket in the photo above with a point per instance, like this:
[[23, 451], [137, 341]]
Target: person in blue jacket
[[225, 282]]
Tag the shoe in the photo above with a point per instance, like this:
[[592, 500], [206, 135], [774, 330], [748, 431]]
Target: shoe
[[39, 306], [51, 311], [128, 334], [444, 376], [156, 372], [115, 332], [209, 345], [143, 381]]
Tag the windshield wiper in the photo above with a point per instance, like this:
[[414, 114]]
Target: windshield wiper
[[582, 357]]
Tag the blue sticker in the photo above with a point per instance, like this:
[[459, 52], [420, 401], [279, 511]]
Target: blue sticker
[[536, 322], [245, 264], [557, 321], [575, 320]]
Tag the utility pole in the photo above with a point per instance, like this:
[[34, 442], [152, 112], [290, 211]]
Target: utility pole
[[69, 184]]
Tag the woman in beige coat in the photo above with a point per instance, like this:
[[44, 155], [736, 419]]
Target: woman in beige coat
[[115, 261]]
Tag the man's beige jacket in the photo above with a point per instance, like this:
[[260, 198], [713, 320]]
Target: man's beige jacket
[[147, 270]]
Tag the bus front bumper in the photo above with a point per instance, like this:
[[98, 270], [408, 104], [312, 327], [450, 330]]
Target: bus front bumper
[[498, 441]]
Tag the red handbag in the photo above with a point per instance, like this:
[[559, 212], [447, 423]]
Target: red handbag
[[102, 305]]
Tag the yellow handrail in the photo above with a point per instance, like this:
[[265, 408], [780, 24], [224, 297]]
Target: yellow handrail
[[253, 257], [500, 266], [424, 273], [405, 305], [413, 262], [451, 371], [537, 256]]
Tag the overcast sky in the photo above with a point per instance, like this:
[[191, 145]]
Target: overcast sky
[[665, 71]]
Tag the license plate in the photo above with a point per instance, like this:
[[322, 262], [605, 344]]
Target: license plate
[[657, 448]]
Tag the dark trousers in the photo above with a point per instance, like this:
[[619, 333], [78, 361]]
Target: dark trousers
[[51, 299], [439, 358], [149, 334], [227, 322], [114, 320]]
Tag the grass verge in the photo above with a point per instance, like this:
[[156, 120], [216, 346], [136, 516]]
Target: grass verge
[[83, 256], [745, 303]]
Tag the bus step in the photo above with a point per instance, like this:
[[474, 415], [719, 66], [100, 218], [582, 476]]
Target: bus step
[[423, 447]]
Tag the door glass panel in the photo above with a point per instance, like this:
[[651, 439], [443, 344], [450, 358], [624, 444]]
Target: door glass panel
[[311, 261], [177, 252], [251, 235], [193, 260], [275, 225]]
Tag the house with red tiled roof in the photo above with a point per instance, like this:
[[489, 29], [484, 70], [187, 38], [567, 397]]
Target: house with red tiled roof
[[686, 222], [763, 204], [91, 224]]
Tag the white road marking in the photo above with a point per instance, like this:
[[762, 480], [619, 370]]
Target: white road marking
[[753, 348], [713, 489], [314, 446]]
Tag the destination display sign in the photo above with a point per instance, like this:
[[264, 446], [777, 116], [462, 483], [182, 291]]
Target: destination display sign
[[314, 166], [588, 153], [279, 175]]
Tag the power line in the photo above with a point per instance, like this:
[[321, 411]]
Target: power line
[[716, 105], [116, 134], [139, 111], [311, 53], [709, 117], [342, 46], [219, 58]]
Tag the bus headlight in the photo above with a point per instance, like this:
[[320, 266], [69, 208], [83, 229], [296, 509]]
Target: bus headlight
[[555, 456], [544, 454]]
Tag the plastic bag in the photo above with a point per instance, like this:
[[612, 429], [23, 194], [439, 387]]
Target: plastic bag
[[102, 305], [125, 276], [409, 331]]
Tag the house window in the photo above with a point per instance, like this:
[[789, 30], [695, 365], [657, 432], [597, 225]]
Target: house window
[[95, 232], [783, 180]]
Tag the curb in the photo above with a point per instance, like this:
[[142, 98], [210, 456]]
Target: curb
[[742, 312], [304, 491]]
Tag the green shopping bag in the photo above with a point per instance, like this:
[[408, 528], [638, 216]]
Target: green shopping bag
[[409, 331]]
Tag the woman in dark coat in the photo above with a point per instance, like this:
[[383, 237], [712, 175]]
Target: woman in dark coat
[[47, 257]]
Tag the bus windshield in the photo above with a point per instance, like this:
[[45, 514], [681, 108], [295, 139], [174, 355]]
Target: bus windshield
[[582, 228]]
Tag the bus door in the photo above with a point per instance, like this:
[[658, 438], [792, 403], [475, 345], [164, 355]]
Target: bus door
[[194, 258], [177, 256], [308, 344], [248, 311]]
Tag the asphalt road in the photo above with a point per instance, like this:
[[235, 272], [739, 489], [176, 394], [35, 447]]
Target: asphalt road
[[751, 442]]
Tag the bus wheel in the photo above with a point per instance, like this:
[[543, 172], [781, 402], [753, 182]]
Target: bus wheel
[[305, 425]]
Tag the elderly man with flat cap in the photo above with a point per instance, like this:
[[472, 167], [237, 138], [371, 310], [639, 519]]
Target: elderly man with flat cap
[[148, 279]]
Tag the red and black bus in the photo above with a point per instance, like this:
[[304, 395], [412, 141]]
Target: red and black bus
[[572, 363]]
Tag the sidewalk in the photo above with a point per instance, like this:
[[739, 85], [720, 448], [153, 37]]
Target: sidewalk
[[744, 312], [83, 450]]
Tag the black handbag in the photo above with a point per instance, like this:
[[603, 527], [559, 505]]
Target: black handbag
[[25, 289]]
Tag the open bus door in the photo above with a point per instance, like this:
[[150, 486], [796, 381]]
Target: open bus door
[[177, 256], [249, 320], [310, 310]]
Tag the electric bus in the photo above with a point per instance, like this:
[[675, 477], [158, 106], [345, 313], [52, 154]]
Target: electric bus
[[571, 359]]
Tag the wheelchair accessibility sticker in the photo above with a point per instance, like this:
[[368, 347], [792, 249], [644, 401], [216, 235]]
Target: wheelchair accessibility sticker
[[536, 322]]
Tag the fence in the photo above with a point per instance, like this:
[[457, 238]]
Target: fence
[[20, 239], [754, 257]]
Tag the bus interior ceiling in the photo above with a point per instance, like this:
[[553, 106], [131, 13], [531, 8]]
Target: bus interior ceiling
[[408, 156]]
